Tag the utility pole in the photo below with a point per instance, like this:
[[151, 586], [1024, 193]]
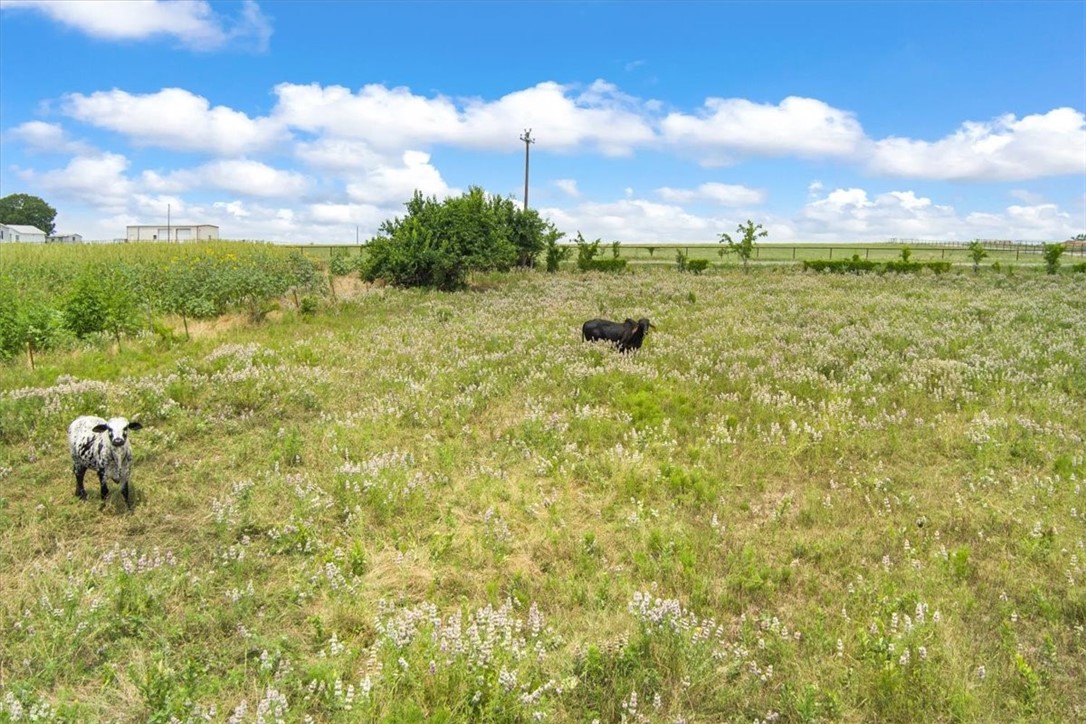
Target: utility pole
[[528, 141]]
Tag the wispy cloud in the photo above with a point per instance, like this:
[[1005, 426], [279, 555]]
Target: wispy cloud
[[718, 193], [568, 186]]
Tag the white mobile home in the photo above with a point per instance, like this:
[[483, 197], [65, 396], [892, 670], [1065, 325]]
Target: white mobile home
[[173, 232], [67, 238], [21, 232]]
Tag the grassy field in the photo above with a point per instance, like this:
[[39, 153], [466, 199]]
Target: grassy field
[[806, 498]]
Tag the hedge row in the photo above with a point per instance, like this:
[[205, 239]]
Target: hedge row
[[856, 265]]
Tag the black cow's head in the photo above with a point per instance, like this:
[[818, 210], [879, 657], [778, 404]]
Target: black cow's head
[[634, 334]]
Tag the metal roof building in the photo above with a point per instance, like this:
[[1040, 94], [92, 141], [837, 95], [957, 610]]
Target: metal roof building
[[173, 232], [21, 232]]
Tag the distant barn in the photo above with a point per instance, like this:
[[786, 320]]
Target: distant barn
[[174, 232]]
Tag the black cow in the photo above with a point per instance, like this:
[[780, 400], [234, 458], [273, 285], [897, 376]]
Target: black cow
[[626, 336]]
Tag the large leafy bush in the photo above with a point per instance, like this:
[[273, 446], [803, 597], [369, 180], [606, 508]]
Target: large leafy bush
[[438, 243]]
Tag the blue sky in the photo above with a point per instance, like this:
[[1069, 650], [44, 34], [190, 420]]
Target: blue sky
[[655, 122]]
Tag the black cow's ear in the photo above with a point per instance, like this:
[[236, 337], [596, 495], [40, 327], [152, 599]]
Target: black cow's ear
[[100, 428], [134, 426]]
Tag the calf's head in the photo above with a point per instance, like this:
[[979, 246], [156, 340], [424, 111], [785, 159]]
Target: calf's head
[[117, 428]]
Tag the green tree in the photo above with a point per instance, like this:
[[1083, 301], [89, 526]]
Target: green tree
[[1051, 254], [29, 210], [745, 247], [977, 252], [525, 228]]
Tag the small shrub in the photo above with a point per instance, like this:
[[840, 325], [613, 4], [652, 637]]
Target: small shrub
[[1079, 268], [902, 267], [100, 301], [308, 305], [697, 265], [914, 267], [586, 252], [607, 265], [855, 265], [680, 260], [342, 262], [554, 253]]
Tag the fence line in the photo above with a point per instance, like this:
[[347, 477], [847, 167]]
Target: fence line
[[791, 252], [771, 249]]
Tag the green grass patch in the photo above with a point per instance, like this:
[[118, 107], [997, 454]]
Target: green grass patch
[[807, 497]]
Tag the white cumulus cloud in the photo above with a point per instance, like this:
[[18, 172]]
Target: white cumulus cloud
[[395, 184], [852, 215], [1005, 149], [176, 119], [97, 179], [726, 130], [599, 118], [241, 176], [193, 23], [42, 137]]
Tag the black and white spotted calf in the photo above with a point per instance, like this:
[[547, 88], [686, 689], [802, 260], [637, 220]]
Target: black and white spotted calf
[[102, 446]]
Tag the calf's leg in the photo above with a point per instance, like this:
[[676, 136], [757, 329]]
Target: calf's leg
[[80, 491]]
